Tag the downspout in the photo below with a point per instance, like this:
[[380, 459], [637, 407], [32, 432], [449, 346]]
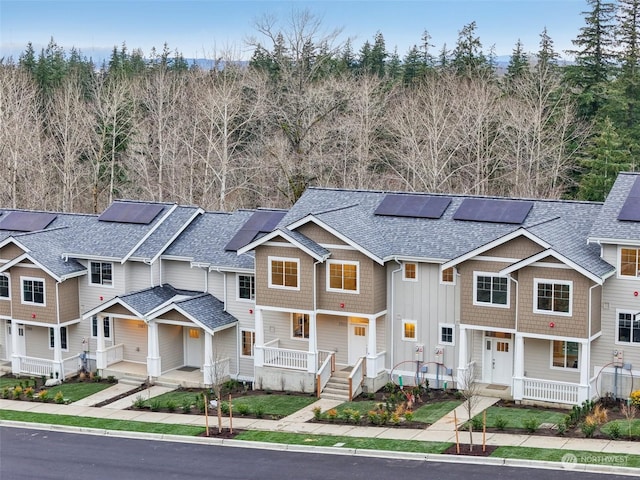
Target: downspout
[[315, 307], [589, 339], [391, 359]]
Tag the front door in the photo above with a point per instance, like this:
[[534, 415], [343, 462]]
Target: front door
[[498, 363], [193, 347], [358, 339]]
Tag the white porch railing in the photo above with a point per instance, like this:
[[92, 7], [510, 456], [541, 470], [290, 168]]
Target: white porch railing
[[550, 391], [283, 357], [324, 372], [114, 354], [36, 366], [379, 363], [356, 378], [71, 365]]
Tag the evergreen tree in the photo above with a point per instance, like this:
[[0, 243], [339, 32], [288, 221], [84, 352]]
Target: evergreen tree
[[425, 49], [546, 56], [468, 57], [412, 66], [51, 68], [394, 66], [628, 36], [27, 59], [518, 63]]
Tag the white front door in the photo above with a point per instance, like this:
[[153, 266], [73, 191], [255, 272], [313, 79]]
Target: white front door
[[498, 361], [358, 338], [193, 338]]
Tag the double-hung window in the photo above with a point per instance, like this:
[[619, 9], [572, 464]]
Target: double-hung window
[[106, 327], [284, 273], [564, 354], [246, 287], [552, 297], [248, 342], [342, 276], [491, 290], [33, 291], [4, 287], [101, 273], [628, 328], [63, 338]]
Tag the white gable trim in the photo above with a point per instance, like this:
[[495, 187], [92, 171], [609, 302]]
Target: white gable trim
[[282, 233], [110, 303], [148, 234], [177, 234], [26, 256], [550, 253]]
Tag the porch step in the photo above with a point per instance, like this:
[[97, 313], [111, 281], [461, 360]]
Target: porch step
[[132, 381], [337, 387]]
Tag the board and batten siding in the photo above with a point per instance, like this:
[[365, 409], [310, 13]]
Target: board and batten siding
[[333, 336], [133, 335], [171, 346], [181, 275]]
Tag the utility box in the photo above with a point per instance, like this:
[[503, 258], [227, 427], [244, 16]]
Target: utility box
[[420, 352], [438, 351], [618, 357]]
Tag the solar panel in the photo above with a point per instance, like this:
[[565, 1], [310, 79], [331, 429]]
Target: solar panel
[[262, 221], [26, 221], [131, 212], [416, 206], [630, 211], [493, 211]]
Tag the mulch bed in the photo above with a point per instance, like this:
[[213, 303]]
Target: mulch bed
[[475, 452]]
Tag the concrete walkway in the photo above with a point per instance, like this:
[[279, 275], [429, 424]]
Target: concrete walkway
[[447, 423], [147, 394], [110, 392]]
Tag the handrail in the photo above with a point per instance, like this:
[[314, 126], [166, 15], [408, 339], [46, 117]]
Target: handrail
[[358, 374], [324, 373]]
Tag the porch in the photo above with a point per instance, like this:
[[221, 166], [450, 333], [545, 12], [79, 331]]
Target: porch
[[23, 365]]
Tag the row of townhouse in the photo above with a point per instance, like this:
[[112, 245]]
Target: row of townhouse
[[539, 299]]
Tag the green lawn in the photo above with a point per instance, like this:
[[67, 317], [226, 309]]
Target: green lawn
[[515, 415], [552, 455], [75, 391], [624, 427], [362, 407], [12, 382], [178, 397], [276, 405], [432, 412]]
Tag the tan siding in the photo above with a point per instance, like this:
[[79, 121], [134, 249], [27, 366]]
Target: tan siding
[[520, 247], [46, 314], [116, 310], [530, 322], [319, 235], [224, 346], [181, 275], [537, 362], [5, 308], [133, 334], [69, 300], [171, 343], [10, 251], [4, 339], [332, 336], [596, 310]]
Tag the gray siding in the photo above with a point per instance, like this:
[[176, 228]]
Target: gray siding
[[138, 276], [181, 275], [90, 294], [36, 340], [332, 336], [133, 334], [224, 346], [171, 342]]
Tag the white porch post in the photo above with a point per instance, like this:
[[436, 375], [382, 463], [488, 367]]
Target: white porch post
[[258, 352], [208, 359], [462, 357], [101, 355], [371, 349], [153, 351], [58, 371], [518, 368], [312, 356], [583, 389], [16, 354]]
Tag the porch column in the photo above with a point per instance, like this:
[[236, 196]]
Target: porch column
[[583, 389], [371, 349], [57, 369], [312, 356], [518, 368], [16, 353], [101, 354], [208, 359], [462, 357], [153, 353], [258, 353]]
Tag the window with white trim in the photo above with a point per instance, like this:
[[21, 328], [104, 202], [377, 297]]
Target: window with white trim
[[5, 293], [300, 325], [628, 328], [410, 272], [101, 273], [106, 327], [33, 291], [342, 276], [409, 330], [63, 338], [248, 338], [552, 296], [246, 287], [446, 334], [629, 262], [564, 354], [448, 276], [284, 273], [490, 289]]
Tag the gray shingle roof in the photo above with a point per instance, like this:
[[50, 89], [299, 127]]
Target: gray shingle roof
[[306, 242], [147, 300], [207, 310], [562, 224], [607, 227]]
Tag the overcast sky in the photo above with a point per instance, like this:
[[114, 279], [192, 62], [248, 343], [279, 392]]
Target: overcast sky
[[198, 29]]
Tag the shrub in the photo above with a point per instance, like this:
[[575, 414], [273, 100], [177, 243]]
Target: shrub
[[17, 392], [111, 379], [614, 430], [156, 405], [138, 402], [28, 392], [501, 422], [242, 409], [199, 403], [59, 398], [6, 392], [389, 387], [476, 422], [332, 414], [224, 408], [378, 417], [186, 406], [259, 411], [635, 398], [589, 426], [531, 423], [317, 413], [599, 414], [43, 395], [97, 378], [408, 415]]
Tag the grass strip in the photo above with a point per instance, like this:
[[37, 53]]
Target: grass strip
[[578, 456], [101, 423], [345, 442]]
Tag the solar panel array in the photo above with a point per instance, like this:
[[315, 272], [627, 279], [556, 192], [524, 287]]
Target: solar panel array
[[416, 206], [493, 210], [26, 221], [630, 211], [262, 221], [131, 212]]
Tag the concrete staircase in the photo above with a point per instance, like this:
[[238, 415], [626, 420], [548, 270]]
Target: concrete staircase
[[337, 387]]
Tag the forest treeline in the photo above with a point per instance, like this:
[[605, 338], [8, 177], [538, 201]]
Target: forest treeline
[[308, 110]]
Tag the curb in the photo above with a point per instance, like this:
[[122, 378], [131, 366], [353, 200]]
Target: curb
[[424, 457]]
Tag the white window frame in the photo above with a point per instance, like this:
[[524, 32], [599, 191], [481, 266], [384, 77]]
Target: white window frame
[[405, 322], [270, 261], [8, 297], [106, 320], [52, 339], [253, 341], [453, 282], [404, 272], [565, 368], [630, 343], [619, 262], [101, 283], [538, 281], [342, 262], [252, 287], [293, 330], [44, 291], [490, 304], [442, 326]]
